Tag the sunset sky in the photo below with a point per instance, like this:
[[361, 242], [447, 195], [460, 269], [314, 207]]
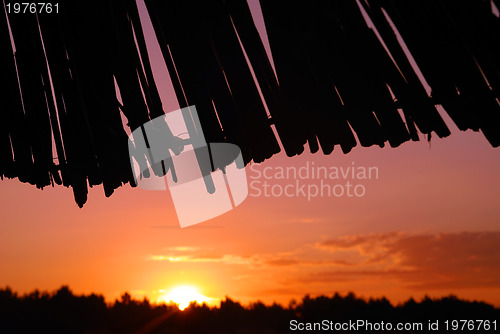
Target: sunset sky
[[429, 224]]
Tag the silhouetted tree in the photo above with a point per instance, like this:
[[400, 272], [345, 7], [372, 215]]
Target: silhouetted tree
[[65, 312]]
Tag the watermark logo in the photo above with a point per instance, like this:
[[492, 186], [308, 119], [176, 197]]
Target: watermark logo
[[310, 180], [205, 180]]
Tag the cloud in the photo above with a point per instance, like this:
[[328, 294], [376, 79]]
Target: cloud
[[226, 259], [182, 249], [282, 262], [305, 255], [415, 261], [254, 261], [421, 262], [184, 254]]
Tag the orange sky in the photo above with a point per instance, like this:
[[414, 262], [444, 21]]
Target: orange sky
[[428, 225]]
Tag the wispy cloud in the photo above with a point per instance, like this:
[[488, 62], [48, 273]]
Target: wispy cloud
[[182, 249], [415, 261], [226, 259], [424, 261]]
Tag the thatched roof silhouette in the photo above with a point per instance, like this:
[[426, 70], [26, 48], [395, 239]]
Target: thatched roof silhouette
[[335, 80]]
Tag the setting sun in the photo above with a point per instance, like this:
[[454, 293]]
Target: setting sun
[[183, 295]]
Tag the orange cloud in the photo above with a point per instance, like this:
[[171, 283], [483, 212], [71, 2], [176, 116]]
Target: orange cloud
[[422, 262]]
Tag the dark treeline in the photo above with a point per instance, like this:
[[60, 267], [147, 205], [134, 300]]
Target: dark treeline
[[65, 312]]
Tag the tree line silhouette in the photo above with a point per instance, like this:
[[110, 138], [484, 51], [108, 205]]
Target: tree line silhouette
[[64, 312]]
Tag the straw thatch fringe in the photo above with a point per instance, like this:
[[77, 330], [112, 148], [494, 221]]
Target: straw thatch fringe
[[457, 46], [336, 83], [86, 50]]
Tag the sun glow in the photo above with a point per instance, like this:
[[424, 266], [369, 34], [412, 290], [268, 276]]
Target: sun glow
[[183, 295]]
